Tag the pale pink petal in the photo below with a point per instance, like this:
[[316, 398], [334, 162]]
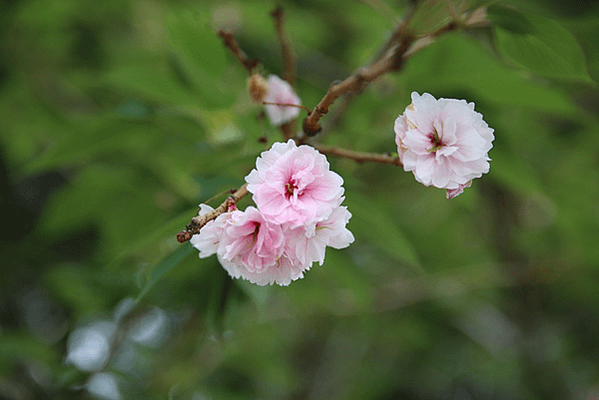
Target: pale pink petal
[[208, 239], [280, 91], [451, 193], [309, 245]]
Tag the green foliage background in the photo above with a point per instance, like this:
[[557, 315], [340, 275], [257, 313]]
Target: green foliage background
[[119, 117]]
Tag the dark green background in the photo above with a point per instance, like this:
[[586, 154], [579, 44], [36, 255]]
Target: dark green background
[[117, 118]]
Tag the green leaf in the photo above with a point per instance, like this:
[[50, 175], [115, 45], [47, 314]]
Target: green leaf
[[515, 174], [539, 44], [84, 142], [374, 224], [459, 66], [199, 57], [510, 19], [192, 37], [152, 237], [165, 266], [152, 82]]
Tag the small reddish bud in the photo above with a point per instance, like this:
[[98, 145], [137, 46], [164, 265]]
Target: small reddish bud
[[184, 236]]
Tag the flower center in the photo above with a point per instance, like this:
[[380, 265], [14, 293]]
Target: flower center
[[255, 233], [435, 141], [290, 189]]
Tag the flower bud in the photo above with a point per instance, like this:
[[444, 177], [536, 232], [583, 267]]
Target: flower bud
[[257, 87]]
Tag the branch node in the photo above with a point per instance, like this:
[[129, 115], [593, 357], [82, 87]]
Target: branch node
[[184, 236], [199, 221], [229, 41], [309, 129]]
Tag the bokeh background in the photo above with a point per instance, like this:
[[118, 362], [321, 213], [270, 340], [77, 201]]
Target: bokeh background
[[118, 117]]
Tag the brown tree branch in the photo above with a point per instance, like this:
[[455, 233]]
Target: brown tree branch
[[391, 61], [231, 43], [287, 105], [199, 221], [399, 47], [359, 156], [400, 30]]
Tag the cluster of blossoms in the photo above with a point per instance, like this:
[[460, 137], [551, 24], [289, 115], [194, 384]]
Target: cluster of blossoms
[[298, 214], [444, 142]]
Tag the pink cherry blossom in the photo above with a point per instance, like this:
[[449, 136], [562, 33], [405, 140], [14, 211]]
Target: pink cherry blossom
[[249, 246], [252, 247], [451, 193], [280, 91], [283, 273], [294, 185], [250, 239], [444, 142], [308, 243]]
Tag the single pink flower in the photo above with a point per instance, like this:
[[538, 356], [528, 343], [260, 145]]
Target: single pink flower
[[280, 91], [248, 238], [248, 246], [294, 185], [444, 142], [252, 247]]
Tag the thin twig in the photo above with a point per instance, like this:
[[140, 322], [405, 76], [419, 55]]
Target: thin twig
[[288, 57], [288, 128], [400, 29], [287, 105], [199, 221], [231, 43], [391, 61], [398, 48], [359, 156], [217, 196], [389, 58]]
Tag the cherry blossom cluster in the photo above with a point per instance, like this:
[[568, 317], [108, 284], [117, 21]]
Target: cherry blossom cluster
[[444, 142], [298, 214]]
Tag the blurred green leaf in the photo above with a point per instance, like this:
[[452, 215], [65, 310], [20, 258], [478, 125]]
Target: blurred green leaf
[[164, 229], [374, 224], [199, 56], [165, 266], [153, 82], [18, 346], [540, 45], [458, 66], [510, 19], [102, 135], [161, 124]]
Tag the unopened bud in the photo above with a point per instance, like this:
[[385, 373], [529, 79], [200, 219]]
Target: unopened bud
[[257, 87]]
